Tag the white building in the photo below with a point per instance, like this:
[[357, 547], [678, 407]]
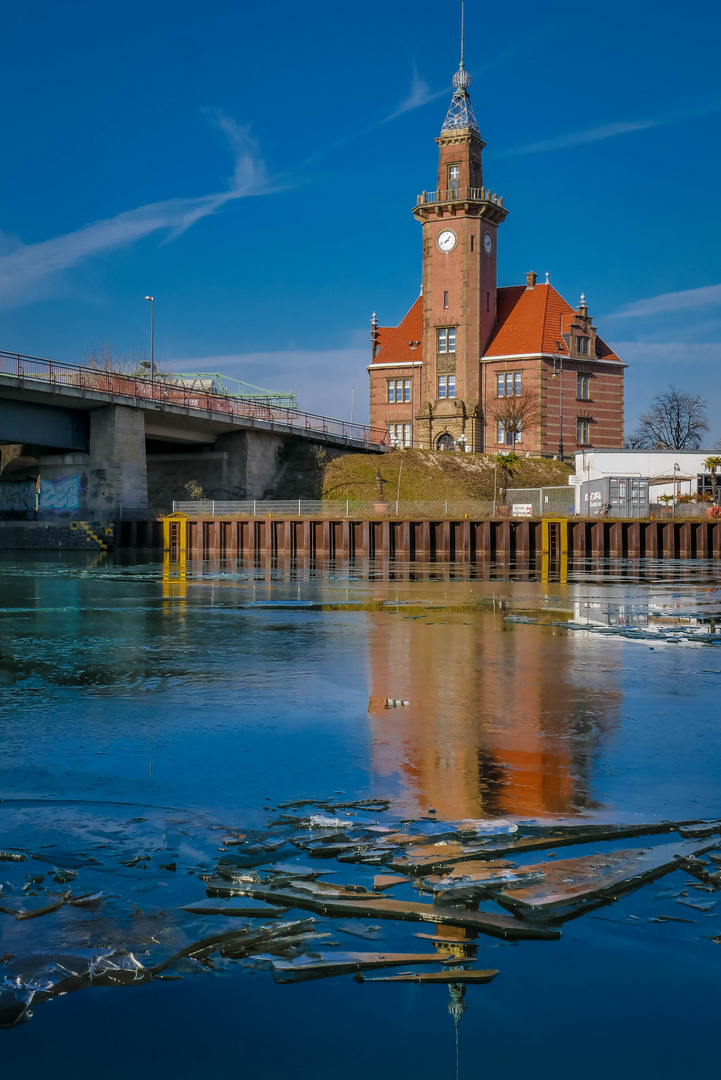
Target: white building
[[669, 472]]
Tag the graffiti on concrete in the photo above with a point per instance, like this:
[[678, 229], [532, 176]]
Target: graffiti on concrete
[[62, 495], [58, 495]]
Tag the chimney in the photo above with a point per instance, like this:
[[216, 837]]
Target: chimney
[[531, 280]]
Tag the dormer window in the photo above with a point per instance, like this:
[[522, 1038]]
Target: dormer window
[[582, 346], [447, 340]]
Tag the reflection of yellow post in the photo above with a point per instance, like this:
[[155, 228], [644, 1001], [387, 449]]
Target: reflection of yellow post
[[175, 587]]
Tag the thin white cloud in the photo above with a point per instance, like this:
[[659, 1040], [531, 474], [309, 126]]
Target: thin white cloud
[[678, 353], [294, 369], [419, 94], [610, 131], [22, 269], [673, 301]]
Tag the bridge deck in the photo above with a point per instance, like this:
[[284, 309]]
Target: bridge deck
[[33, 379]]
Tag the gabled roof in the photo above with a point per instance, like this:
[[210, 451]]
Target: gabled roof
[[393, 341], [532, 321]]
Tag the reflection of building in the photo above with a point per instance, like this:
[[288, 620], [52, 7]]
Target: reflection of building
[[499, 719]]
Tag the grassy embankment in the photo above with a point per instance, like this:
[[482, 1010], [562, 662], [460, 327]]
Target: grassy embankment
[[426, 475]]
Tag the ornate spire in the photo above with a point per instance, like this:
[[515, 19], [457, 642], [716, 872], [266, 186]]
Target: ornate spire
[[460, 114]]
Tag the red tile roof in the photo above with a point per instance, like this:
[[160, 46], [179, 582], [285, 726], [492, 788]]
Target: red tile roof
[[532, 321], [394, 340]]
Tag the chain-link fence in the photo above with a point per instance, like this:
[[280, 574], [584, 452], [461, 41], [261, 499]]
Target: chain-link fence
[[535, 502]]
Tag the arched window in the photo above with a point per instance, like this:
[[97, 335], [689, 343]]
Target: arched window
[[446, 442]]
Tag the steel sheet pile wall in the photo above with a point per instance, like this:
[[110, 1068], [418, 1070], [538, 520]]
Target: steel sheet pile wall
[[424, 540]]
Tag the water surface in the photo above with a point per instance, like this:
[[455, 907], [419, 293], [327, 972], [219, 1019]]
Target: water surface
[[199, 697]]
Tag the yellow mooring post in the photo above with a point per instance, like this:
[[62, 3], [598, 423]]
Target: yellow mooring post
[[563, 535], [175, 537]]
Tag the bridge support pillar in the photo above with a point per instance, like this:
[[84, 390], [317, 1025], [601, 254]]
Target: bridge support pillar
[[117, 474]]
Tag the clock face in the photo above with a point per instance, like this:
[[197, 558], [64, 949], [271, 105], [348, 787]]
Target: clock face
[[446, 240], [488, 243]]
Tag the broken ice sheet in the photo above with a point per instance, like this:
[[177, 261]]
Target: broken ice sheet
[[370, 933], [474, 975], [573, 885], [235, 906], [30, 907], [328, 965]]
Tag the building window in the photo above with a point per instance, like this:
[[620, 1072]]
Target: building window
[[506, 438], [583, 428], [454, 173], [473, 242], [399, 390], [445, 299], [508, 383], [583, 384], [446, 386], [582, 346], [447, 340], [400, 435]]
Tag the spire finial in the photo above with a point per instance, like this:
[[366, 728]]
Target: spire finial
[[463, 6]]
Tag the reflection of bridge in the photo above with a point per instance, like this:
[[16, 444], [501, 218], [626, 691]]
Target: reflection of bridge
[[119, 431]]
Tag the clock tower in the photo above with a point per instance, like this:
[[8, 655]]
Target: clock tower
[[459, 221]]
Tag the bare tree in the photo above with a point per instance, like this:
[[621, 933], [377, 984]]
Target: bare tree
[[517, 413], [674, 420], [634, 441], [107, 358]]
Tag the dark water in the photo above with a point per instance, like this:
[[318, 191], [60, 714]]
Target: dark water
[[196, 699]]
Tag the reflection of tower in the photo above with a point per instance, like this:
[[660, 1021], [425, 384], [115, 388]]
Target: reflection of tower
[[500, 717], [456, 1008]]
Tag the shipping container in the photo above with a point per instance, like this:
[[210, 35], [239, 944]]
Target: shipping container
[[615, 496]]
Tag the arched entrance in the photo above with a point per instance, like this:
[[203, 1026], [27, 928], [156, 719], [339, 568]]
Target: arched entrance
[[446, 442]]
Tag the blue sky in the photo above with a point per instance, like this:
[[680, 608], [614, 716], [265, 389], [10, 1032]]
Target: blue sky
[[254, 166]]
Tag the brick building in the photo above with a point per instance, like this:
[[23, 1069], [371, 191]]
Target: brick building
[[477, 367]]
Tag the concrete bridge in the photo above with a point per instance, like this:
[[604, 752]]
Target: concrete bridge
[[105, 442]]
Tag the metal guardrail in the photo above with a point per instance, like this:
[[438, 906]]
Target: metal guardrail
[[441, 508], [139, 388]]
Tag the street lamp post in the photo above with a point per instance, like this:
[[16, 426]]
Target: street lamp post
[[152, 344], [413, 345], [559, 358]]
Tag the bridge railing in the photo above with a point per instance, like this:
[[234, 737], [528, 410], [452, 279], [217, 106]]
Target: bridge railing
[[165, 391]]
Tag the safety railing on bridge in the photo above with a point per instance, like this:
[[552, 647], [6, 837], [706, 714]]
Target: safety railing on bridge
[[165, 391]]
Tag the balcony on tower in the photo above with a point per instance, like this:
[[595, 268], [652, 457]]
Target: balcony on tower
[[476, 201]]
